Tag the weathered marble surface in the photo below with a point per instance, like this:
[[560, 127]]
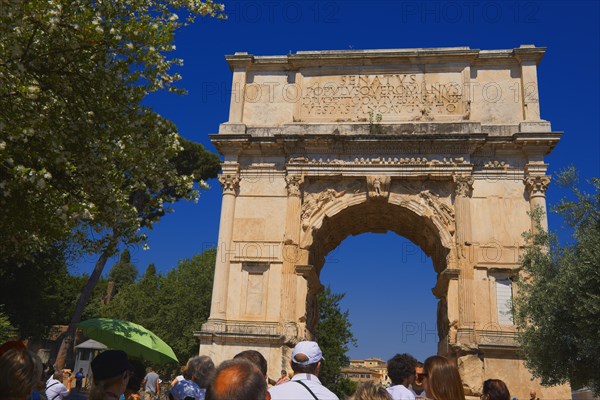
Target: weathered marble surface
[[443, 146]]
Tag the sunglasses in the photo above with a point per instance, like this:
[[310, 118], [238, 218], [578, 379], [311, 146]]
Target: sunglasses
[[421, 376]]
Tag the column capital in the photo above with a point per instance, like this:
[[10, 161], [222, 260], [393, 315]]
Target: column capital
[[537, 185], [463, 185], [293, 184], [230, 183]]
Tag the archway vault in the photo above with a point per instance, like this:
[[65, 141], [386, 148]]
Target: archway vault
[[420, 210], [409, 216]]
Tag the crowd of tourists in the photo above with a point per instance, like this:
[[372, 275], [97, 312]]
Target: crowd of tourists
[[244, 377]]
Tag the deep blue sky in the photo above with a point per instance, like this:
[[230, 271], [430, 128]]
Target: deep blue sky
[[387, 279]]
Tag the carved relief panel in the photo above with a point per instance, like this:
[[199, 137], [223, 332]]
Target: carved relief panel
[[318, 194], [379, 187]]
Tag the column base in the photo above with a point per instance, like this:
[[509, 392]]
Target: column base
[[222, 340], [494, 354]]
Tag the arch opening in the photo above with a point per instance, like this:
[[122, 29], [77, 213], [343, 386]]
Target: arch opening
[[407, 217], [387, 283], [378, 217]]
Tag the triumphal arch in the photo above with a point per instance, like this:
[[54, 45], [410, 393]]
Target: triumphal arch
[[443, 146]]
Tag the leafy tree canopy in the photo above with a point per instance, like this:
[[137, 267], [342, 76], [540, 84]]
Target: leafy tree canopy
[[334, 337], [79, 153], [172, 306], [7, 330], [558, 307], [123, 273], [42, 293], [82, 159]]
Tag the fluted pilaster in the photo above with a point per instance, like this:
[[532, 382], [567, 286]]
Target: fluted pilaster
[[230, 181], [463, 187], [291, 249]]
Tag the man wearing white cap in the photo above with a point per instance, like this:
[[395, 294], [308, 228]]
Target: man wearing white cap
[[305, 385]]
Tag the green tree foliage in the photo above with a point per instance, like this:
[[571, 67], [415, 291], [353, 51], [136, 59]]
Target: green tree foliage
[[558, 306], [123, 273], [7, 330], [40, 293], [31, 292], [188, 291], [78, 150], [137, 302], [334, 337], [80, 155], [172, 306]]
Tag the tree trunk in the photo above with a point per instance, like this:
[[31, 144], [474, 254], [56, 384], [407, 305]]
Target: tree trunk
[[66, 346]]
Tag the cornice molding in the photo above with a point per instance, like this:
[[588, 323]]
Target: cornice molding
[[306, 59]]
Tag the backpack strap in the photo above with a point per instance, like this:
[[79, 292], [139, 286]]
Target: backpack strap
[[47, 387], [307, 388]]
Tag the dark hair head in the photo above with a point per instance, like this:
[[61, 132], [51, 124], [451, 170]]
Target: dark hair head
[[495, 389], [135, 381], [400, 367], [20, 371], [201, 370], [110, 364], [444, 381], [255, 358], [237, 379]]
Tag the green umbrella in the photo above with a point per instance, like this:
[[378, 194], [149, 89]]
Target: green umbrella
[[133, 339]]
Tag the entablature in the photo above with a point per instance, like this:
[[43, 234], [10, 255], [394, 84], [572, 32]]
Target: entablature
[[387, 89], [432, 149]]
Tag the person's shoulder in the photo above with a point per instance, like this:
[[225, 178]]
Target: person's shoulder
[[329, 395], [279, 387], [407, 393], [323, 391], [55, 384], [400, 392], [186, 388], [282, 388]]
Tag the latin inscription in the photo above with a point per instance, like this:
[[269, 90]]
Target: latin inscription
[[356, 97]]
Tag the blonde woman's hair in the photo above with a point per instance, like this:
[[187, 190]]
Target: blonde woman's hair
[[370, 391], [444, 379], [20, 372], [98, 390]]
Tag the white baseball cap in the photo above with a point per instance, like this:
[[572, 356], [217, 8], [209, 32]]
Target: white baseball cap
[[310, 350]]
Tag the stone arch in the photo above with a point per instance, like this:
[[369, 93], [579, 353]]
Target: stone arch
[[409, 215], [448, 172], [434, 237]]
